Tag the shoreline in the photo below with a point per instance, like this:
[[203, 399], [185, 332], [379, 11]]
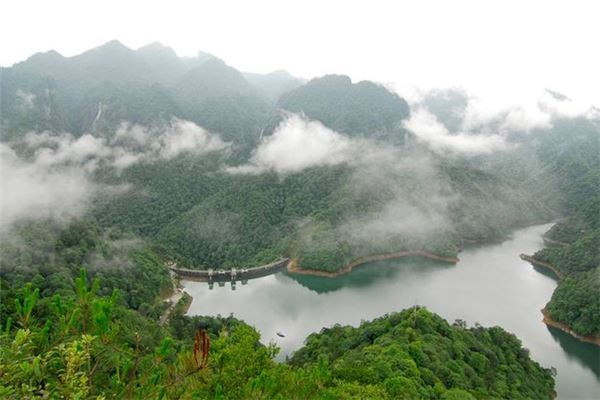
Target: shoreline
[[538, 263], [292, 266], [554, 242], [567, 329], [184, 304], [547, 319]]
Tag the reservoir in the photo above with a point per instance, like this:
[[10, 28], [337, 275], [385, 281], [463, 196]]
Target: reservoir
[[490, 285]]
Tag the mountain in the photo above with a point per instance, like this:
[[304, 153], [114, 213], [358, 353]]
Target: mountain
[[110, 62], [219, 98], [213, 78], [201, 58], [448, 106], [166, 66], [90, 92], [97, 90], [274, 84], [49, 63], [30, 102], [360, 109]]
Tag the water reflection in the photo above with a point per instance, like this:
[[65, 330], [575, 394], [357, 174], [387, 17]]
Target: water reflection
[[490, 285], [586, 354], [370, 274]]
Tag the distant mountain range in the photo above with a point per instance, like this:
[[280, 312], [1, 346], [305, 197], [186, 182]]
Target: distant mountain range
[[95, 91]]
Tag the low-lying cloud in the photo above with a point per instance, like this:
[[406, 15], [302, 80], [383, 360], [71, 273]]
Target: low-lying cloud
[[130, 144], [35, 191], [296, 144], [506, 111], [185, 136], [54, 179], [428, 129], [495, 111]]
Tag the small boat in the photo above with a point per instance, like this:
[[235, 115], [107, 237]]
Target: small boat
[[280, 334]]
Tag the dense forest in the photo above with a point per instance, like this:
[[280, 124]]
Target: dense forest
[[83, 345], [50, 257], [576, 256], [205, 216], [574, 244], [139, 157]]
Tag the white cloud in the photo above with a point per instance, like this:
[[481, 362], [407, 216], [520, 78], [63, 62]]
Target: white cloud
[[85, 150], [296, 144], [559, 105], [397, 217], [501, 111], [35, 191], [56, 180], [428, 129], [131, 135], [519, 111], [185, 136], [130, 144]]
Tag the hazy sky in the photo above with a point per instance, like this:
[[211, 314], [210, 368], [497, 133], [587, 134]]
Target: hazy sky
[[487, 45]]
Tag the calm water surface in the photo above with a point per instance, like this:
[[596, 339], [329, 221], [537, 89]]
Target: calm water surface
[[490, 285]]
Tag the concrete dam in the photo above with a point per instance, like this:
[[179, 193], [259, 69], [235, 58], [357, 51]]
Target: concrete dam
[[232, 275]]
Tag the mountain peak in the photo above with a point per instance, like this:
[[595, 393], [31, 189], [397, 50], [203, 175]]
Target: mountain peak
[[43, 61], [346, 107], [113, 44], [156, 47], [164, 62], [50, 55], [281, 73], [335, 78]]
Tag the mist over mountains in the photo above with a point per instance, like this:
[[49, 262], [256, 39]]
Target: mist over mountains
[[156, 143]]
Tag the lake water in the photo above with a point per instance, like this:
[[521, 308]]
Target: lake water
[[490, 285]]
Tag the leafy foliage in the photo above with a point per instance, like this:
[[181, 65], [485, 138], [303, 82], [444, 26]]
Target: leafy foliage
[[416, 354], [576, 301], [50, 256], [88, 347]]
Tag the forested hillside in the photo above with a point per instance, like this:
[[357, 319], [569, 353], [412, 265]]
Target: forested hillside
[[362, 108], [98, 89], [574, 249], [51, 256], [83, 345]]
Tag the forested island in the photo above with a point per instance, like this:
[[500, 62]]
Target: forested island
[[140, 157]]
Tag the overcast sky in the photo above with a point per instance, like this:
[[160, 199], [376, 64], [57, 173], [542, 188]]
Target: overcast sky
[[483, 45]]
